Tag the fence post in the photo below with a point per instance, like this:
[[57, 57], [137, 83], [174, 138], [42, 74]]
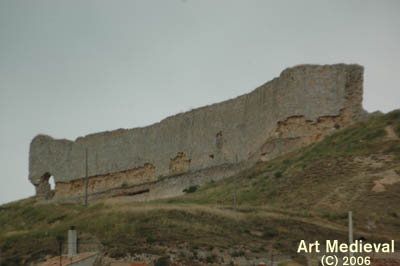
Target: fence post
[[350, 231], [86, 179], [235, 200], [60, 246]]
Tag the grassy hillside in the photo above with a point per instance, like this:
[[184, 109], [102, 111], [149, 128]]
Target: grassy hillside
[[336, 174], [303, 195]]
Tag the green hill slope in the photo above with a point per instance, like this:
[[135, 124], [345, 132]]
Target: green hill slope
[[302, 195]]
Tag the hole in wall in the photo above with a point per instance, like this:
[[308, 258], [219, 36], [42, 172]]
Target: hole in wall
[[45, 189], [133, 193], [138, 192]]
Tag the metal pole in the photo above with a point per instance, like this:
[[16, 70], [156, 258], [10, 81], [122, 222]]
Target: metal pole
[[60, 246], [235, 201], [87, 181], [350, 230]]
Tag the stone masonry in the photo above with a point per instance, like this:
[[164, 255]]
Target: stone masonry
[[300, 107]]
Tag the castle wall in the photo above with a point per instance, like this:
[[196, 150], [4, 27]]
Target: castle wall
[[301, 106]]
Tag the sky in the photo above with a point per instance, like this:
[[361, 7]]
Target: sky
[[70, 68]]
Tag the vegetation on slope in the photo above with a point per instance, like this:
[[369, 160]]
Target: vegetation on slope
[[328, 178], [337, 154], [302, 195]]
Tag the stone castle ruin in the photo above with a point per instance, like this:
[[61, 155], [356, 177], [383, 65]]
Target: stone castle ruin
[[303, 105]]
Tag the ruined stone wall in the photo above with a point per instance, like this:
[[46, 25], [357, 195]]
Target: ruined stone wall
[[301, 106]]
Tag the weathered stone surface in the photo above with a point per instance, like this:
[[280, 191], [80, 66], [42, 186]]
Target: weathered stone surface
[[301, 106]]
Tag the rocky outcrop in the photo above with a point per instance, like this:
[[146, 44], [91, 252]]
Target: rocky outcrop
[[300, 107]]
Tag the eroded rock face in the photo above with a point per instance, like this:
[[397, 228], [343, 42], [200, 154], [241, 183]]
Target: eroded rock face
[[300, 107]]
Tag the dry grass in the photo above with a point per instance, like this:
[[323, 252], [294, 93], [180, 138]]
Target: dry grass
[[302, 195]]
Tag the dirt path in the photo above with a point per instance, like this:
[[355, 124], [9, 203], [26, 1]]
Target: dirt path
[[261, 212]]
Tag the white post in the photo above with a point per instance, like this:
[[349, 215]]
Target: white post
[[72, 242]]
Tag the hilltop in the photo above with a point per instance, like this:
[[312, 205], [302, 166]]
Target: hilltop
[[301, 106], [305, 194]]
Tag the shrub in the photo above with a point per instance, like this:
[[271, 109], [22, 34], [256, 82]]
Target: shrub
[[212, 258], [238, 253], [163, 261], [150, 239], [270, 233]]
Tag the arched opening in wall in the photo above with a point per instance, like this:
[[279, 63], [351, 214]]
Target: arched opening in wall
[[44, 190]]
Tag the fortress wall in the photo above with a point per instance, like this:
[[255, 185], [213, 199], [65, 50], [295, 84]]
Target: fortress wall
[[236, 130]]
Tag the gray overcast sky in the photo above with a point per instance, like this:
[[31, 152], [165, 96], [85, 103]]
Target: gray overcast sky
[[70, 68]]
